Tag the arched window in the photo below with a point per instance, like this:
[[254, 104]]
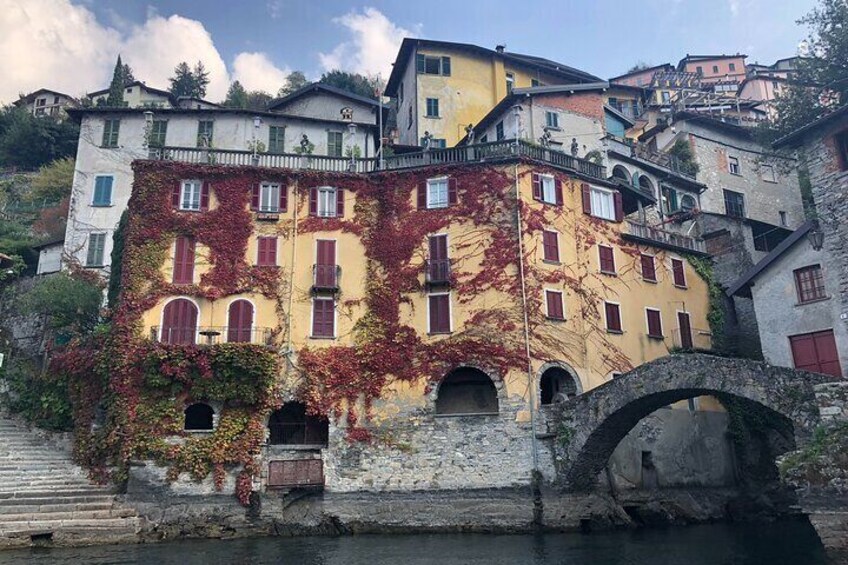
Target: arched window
[[291, 425], [557, 385], [179, 322], [467, 391], [621, 173], [199, 417], [239, 321], [645, 184]]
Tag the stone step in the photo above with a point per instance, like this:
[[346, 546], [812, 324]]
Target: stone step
[[57, 498], [54, 506], [64, 516], [56, 493], [42, 525]]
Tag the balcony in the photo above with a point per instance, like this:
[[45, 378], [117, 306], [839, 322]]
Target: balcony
[[211, 335], [641, 151], [326, 277], [437, 272], [482, 152], [663, 238]]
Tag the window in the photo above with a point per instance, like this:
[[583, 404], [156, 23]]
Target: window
[[733, 165], [41, 102], [767, 173], [184, 251], [557, 385], [601, 203], [612, 313], [783, 221], [816, 352], [239, 322], [699, 70], [669, 200], [110, 132], [841, 142], [102, 191], [499, 131], [266, 251], [809, 282], [553, 305], [276, 139], [334, 143], [291, 425], [329, 202], [438, 264], [654, 323], [732, 66], [437, 193], [204, 133], [649, 271], [547, 189], [607, 259], [158, 133], [484, 138], [269, 197], [323, 317], [678, 273], [438, 314], [534, 82], [715, 69], [431, 65], [734, 204], [685, 330], [190, 195], [510, 82], [199, 417], [96, 246], [432, 107], [550, 246], [179, 322], [666, 97], [325, 265], [552, 119]]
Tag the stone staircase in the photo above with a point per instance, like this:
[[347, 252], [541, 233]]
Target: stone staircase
[[45, 498]]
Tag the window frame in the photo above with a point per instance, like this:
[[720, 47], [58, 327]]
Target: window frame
[[335, 143], [262, 194], [276, 140], [734, 166], [561, 294], [660, 335], [450, 313], [682, 273], [332, 202], [545, 257], [607, 194], [312, 334], [183, 184], [552, 123], [202, 127], [614, 271], [730, 210], [818, 289], [642, 257], [108, 202], [772, 177], [840, 142], [438, 180], [549, 182], [500, 135], [102, 262], [276, 262], [431, 106], [158, 138], [617, 305], [111, 133]]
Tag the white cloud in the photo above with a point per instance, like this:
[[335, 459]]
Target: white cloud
[[255, 71], [60, 45], [373, 45], [275, 8]]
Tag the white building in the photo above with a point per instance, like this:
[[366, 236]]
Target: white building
[[137, 95], [45, 102], [329, 122]]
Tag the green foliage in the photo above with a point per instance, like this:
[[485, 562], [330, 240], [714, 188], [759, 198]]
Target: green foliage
[[715, 316], [72, 306], [682, 151], [295, 81], [53, 181], [825, 456], [28, 142], [189, 82], [16, 242], [116, 87], [39, 397], [236, 96], [117, 269], [638, 66], [128, 75], [353, 82]]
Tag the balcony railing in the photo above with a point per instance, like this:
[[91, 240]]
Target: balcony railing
[[326, 277], [211, 335], [697, 340], [665, 238], [466, 154], [438, 271], [297, 433]]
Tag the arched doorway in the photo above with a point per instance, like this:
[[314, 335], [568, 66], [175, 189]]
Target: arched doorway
[[621, 173], [467, 391], [239, 321], [557, 385], [179, 322], [645, 184], [291, 425], [199, 417]]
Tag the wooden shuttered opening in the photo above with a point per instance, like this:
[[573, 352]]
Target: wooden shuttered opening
[[239, 322], [816, 352], [325, 263], [537, 186], [649, 272], [323, 317], [678, 272], [313, 201], [439, 313], [453, 193], [619, 206], [421, 197], [176, 192], [255, 197], [204, 196], [550, 246], [179, 322], [184, 253], [654, 323], [613, 317], [340, 203], [586, 195], [685, 330], [558, 191], [266, 251], [553, 300], [606, 256]]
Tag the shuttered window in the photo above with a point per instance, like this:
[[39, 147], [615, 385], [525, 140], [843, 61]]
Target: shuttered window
[[205, 131], [334, 143], [612, 313], [553, 305], [184, 251], [323, 317], [102, 191], [325, 263], [439, 264], [678, 272], [602, 203], [326, 202], [685, 330], [654, 323], [96, 250], [239, 322], [550, 245], [276, 139], [606, 255], [439, 314], [266, 251], [547, 189], [193, 195], [110, 132], [179, 322], [649, 271], [437, 193]]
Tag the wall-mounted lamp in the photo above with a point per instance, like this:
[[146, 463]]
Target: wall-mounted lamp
[[816, 237]]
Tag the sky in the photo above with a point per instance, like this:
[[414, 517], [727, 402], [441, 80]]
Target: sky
[[71, 45]]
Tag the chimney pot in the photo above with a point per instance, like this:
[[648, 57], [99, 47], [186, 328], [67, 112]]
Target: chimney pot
[[500, 48]]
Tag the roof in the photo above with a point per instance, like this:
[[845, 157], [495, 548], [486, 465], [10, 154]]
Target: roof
[[409, 44], [645, 70], [799, 133], [27, 98], [619, 115], [317, 86], [743, 285], [695, 58], [50, 242], [134, 83], [711, 122], [196, 99]]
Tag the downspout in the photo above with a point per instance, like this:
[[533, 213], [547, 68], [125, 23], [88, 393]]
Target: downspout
[[291, 278]]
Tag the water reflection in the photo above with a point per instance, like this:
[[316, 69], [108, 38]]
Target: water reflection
[[786, 542]]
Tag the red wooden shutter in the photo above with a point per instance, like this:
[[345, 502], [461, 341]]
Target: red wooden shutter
[[261, 256], [438, 247], [679, 274], [284, 198], [613, 315], [267, 255], [313, 201], [325, 275], [649, 273], [587, 198], [439, 313], [254, 200], [619, 206], [183, 260], [204, 196], [654, 323], [422, 195], [175, 194], [550, 245], [453, 195], [685, 330], [537, 186], [607, 259], [340, 203], [179, 322], [827, 354], [322, 318], [239, 322], [558, 188], [554, 303]]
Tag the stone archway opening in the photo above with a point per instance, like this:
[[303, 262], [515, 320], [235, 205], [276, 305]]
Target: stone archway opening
[[292, 425], [621, 173], [466, 391], [199, 417], [556, 385]]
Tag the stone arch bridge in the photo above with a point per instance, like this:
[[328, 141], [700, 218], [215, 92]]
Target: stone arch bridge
[[590, 426]]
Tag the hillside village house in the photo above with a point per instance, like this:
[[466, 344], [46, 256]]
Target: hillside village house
[[45, 102], [136, 95], [326, 122]]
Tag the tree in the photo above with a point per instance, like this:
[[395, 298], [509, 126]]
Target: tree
[[53, 181], [201, 80], [116, 87], [258, 100], [188, 82], [28, 142], [236, 96], [682, 152], [353, 82], [638, 66], [295, 81], [117, 268], [129, 77], [71, 305]]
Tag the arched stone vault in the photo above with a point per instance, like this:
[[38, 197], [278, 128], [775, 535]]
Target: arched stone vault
[[590, 426]]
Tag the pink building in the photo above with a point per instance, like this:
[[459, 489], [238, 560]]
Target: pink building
[[715, 68]]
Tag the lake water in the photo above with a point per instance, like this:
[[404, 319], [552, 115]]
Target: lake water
[[789, 542]]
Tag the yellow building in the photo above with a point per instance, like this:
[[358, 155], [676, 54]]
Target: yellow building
[[441, 87], [401, 306]]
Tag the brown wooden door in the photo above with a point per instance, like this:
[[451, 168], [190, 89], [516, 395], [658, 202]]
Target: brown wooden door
[[239, 322], [685, 330], [325, 275], [816, 352], [179, 322]]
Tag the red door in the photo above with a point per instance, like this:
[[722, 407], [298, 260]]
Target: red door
[[240, 322], [685, 330], [438, 258], [325, 274], [179, 322], [816, 352]]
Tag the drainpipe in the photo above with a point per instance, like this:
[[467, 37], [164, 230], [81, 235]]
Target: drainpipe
[[291, 278], [531, 387]]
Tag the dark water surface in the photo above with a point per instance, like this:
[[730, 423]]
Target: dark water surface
[[786, 542]]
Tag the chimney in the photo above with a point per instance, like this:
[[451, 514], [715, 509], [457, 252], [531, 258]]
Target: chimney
[[500, 48]]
